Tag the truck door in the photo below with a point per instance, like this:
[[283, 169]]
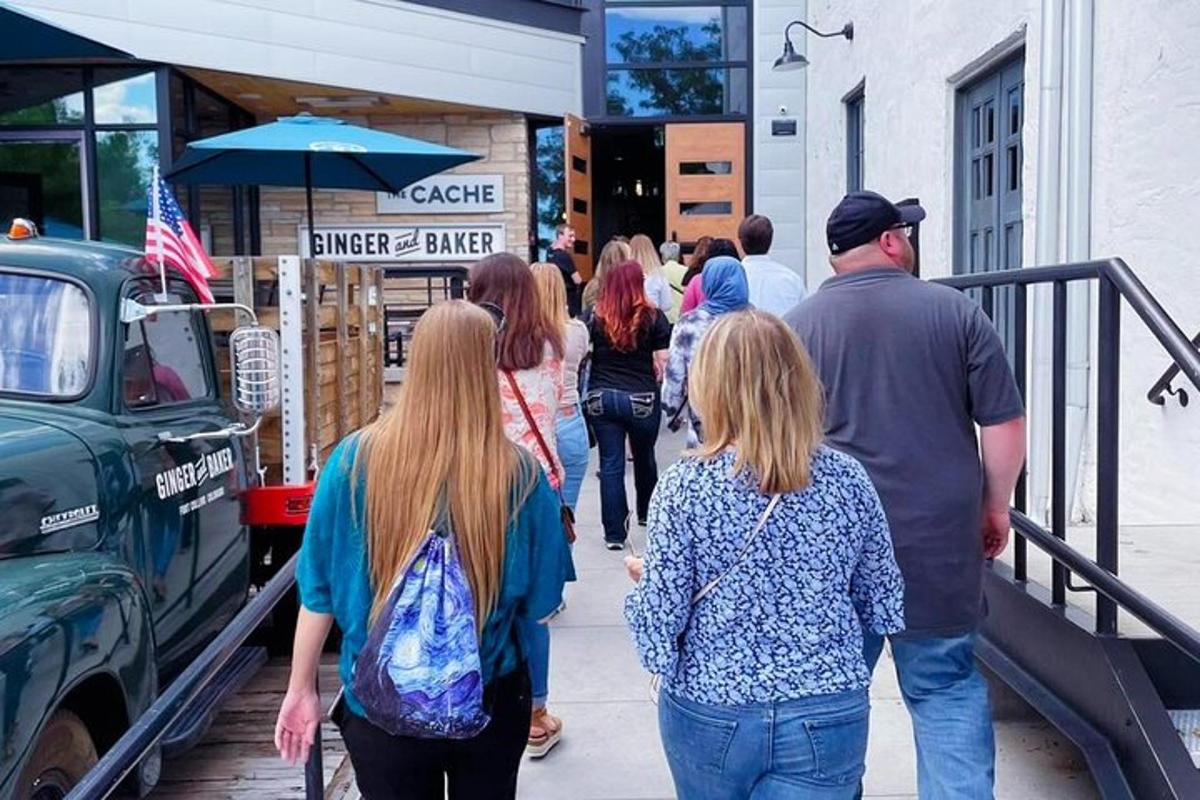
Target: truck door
[[194, 549]]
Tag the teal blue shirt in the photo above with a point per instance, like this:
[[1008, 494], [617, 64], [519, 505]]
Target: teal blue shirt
[[333, 577]]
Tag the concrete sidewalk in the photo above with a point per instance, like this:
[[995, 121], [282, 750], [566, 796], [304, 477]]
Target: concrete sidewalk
[[611, 750]]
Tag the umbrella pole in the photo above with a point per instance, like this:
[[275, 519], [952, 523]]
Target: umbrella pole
[[312, 231]]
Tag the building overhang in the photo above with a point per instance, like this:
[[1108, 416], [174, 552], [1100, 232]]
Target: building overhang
[[26, 38]]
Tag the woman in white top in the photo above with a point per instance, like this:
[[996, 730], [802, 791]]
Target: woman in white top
[[658, 289], [570, 429]]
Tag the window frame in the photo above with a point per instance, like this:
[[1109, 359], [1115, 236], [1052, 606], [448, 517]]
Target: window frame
[[134, 288], [601, 43], [854, 104]]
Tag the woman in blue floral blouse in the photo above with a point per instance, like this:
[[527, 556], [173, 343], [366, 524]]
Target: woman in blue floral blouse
[[768, 555]]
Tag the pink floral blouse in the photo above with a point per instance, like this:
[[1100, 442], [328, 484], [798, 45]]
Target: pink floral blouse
[[542, 387]]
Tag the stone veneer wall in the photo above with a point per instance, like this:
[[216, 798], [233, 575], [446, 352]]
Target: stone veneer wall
[[499, 137]]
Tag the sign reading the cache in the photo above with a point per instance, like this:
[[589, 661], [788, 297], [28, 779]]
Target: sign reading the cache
[[446, 194], [406, 242]]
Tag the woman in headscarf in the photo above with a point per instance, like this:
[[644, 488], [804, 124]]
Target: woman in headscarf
[[725, 290]]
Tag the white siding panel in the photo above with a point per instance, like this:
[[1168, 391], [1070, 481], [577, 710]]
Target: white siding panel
[[392, 48]]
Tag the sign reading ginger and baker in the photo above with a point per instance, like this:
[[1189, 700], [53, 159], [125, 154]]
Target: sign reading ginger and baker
[[446, 194], [401, 243]]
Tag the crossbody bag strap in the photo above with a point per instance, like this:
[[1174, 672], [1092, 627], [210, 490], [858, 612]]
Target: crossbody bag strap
[[512, 382], [741, 556]]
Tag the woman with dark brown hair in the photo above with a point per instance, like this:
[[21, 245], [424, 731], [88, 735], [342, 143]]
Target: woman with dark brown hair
[[629, 347], [529, 357], [697, 258]]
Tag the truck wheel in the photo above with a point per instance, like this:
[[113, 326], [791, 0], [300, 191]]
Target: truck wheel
[[62, 756]]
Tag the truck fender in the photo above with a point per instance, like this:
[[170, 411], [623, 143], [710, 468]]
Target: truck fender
[[75, 632]]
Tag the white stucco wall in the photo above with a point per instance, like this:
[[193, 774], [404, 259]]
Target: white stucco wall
[[1146, 176], [908, 55], [374, 45], [1145, 207], [779, 162]]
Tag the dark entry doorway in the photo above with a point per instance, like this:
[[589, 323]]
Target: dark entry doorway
[[627, 182]]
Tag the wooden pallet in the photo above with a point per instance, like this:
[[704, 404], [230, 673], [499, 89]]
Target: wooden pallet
[[343, 323], [237, 759]]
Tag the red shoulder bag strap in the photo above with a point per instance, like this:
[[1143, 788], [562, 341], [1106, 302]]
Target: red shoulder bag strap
[[512, 382]]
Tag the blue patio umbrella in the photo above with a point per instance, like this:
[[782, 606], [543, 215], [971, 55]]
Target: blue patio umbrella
[[320, 152]]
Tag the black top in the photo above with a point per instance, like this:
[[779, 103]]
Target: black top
[[627, 372], [909, 369], [566, 265]]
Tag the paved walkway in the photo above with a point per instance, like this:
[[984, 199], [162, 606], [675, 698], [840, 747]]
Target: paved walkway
[[611, 750]]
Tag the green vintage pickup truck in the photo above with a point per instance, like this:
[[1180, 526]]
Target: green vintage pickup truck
[[122, 468]]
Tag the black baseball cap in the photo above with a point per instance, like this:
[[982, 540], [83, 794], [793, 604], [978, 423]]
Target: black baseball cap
[[862, 216]]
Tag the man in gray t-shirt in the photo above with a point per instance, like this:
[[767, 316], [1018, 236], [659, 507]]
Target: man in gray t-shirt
[[910, 369]]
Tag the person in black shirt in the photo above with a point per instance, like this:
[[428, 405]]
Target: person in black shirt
[[630, 338], [559, 254]]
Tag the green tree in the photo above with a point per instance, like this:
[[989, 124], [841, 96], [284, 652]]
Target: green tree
[[125, 161], [551, 183], [670, 91]]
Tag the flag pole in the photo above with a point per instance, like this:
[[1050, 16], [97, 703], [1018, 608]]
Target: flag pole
[[158, 243]]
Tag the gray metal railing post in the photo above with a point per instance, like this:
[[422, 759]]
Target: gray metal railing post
[[1108, 421], [314, 767]]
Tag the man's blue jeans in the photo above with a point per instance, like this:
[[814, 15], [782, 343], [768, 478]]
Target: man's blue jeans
[[947, 699], [572, 438], [811, 748], [615, 415]]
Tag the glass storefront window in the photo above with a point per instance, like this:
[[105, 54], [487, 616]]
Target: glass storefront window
[[658, 35], [41, 96], [123, 97], [676, 92], [549, 185], [40, 180], [125, 167]]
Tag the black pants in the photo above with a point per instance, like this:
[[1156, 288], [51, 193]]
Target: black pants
[[484, 768]]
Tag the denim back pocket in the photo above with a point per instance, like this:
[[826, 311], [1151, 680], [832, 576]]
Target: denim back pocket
[[839, 744], [692, 738], [593, 404], [642, 404]]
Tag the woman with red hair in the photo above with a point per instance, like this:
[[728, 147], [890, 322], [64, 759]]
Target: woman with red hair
[[630, 338]]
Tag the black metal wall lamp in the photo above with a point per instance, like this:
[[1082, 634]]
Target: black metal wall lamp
[[790, 59]]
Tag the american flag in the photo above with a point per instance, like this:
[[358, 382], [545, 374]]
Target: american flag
[[170, 236]]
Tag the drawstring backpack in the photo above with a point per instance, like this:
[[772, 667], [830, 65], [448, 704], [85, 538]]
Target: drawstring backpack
[[420, 674]]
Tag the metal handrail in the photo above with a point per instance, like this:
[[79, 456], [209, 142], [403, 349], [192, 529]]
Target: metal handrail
[[1163, 384], [1157, 618], [124, 756], [1182, 351], [1116, 282]]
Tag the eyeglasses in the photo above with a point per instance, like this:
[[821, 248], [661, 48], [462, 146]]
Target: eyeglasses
[[907, 227]]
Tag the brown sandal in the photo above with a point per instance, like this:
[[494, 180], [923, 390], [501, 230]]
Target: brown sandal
[[545, 731]]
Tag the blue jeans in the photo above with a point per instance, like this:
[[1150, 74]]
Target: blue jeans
[[614, 415], [947, 699], [535, 641], [811, 748], [571, 433]]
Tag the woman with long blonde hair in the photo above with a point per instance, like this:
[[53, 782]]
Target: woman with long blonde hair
[[530, 375], [570, 429], [658, 290], [615, 252], [768, 555], [437, 463]]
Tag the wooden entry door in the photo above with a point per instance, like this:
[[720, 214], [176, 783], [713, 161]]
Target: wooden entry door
[[706, 180], [577, 177]]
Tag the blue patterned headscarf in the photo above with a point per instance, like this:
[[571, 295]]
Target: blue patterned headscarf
[[725, 287]]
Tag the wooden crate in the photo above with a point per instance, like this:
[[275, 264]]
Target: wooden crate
[[343, 331]]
